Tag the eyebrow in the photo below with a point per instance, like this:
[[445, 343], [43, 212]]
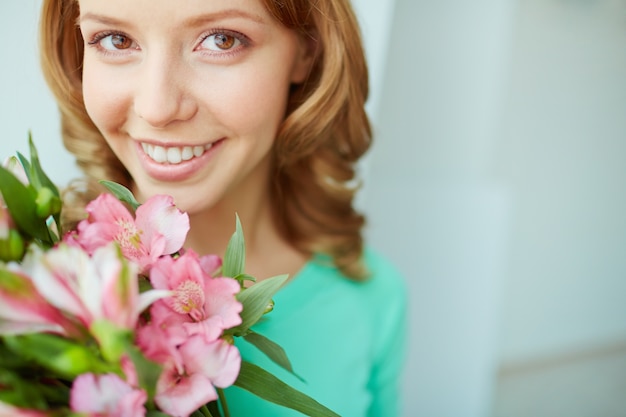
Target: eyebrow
[[194, 21]]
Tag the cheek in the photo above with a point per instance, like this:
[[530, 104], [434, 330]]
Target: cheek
[[257, 102], [103, 100]]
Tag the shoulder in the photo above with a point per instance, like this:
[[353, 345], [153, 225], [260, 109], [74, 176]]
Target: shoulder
[[384, 294], [384, 277]]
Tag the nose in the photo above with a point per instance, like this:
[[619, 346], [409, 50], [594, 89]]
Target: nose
[[162, 96]]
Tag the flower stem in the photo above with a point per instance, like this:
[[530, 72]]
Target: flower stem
[[222, 397]]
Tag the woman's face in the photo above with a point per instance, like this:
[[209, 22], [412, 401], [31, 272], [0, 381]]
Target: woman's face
[[189, 95]]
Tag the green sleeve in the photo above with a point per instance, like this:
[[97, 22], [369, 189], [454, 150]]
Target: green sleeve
[[386, 377]]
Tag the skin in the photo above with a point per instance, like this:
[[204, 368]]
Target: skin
[[214, 75]]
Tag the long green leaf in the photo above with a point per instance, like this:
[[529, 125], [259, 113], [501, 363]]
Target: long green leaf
[[39, 176], [235, 257], [272, 350], [265, 385], [255, 300], [37, 170], [20, 201], [27, 169], [122, 193]]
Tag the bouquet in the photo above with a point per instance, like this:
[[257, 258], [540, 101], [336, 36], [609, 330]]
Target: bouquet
[[115, 318]]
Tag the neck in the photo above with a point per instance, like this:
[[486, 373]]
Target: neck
[[267, 252]]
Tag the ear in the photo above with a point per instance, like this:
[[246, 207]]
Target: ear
[[305, 57]]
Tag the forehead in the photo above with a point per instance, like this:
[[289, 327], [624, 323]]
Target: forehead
[[179, 11]]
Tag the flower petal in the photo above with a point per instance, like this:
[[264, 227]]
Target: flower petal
[[182, 395], [159, 215], [219, 361]]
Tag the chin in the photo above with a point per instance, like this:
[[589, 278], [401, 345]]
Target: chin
[[189, 201]]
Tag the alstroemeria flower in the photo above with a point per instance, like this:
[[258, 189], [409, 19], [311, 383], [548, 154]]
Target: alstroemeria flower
[[210, 264], [205, 305], [101, 287], [159, 339], [23, 309], [206, 365], [158, 228], [106, 396]]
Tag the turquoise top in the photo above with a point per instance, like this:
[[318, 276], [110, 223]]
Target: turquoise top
[[346, 339]]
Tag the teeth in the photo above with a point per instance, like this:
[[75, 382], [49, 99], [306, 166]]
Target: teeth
[[174, 154], [187, 153]]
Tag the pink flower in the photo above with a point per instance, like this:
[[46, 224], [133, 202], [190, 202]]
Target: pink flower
[[23, 309], [202, 304], [206, 365], [159, 228], [106, 396], [159, 339], [90, 288], [210, 264]]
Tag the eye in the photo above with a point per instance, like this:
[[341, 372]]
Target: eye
[[221, 41], [113, 42]]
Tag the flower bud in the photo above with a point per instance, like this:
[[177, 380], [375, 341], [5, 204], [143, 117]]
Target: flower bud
[[12, 247], [269, 308], [13, 164], [6, 222], [47, 203]]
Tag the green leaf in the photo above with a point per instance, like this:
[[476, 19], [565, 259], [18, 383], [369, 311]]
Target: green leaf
[[243, 278], [265, 385], [122, 193], [113, 340], [66, 358], [272, 350], [148, 371], [255, 300], [20, 200], [31, 388], [211, 408], [37, 170], [235, 257], [155, 413], [26, 165], [45, 181], [19, 392]]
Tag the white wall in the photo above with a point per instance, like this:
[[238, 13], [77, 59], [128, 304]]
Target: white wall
[[563, 154], [433, 207], [498, 184], [26, 104]]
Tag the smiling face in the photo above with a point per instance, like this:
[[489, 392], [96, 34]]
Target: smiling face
[[189, 97]]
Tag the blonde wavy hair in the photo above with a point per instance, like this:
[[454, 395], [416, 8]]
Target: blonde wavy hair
[[325, 131]]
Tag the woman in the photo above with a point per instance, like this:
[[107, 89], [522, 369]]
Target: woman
[[253, 107]]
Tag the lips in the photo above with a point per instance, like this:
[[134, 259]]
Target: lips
[[173, 154], [175, 163]]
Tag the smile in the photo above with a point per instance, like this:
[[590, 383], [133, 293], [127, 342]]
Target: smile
[[174, 154]]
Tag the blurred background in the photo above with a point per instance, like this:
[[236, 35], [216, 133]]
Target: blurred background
[[497, 183]]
